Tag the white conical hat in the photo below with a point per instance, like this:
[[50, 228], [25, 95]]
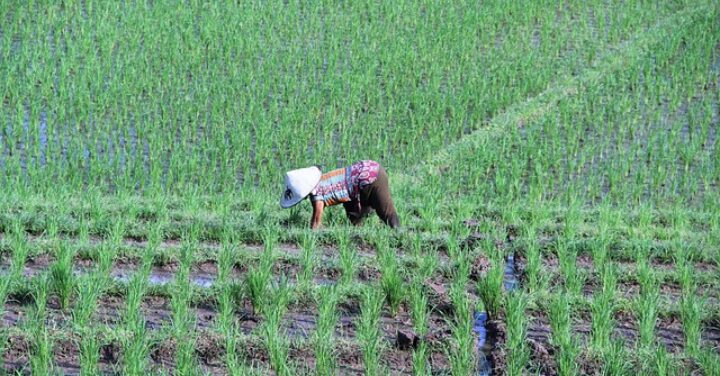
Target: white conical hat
[[298, 184]]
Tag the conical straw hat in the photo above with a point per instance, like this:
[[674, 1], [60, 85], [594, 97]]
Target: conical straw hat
[[298, 184]]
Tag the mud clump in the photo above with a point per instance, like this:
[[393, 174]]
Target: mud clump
[[406, 339]]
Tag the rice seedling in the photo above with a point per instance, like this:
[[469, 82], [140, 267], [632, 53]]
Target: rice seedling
[[462, 352], [88, 290], [573, 277], [602, 308], [560, 313], [691, 313], [646, 305], [348, 258], [41, 352], [308, 258], [490, 288], [89, 353], [258, 280], [185, 361], [368, 331], [325, 362], [136, 350], [391, 278], [62, 279], [276, 342], [518, 353]]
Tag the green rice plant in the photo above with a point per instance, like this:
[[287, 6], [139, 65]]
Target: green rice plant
[[276, 342], [533, 260], [391, 279], [63, 281], [323, 341], [89, 353], [348, 258], [40, 296], [419, 309], [232, 360], [116, 233], [616, 360], [574, 279], [88, 289], [106, 257], [20, 251], [462, 354], [226, 306], [420, 359], [602, 309], [226, 262], [308, 258], [41, 352], [691, 314], [647, 306], [257, 282], [490, 287], [368, 330], [185, 361], [566, 357], [661, 364], [709, 361], [560, 312], [136, 288], [136, 350], [518, 354], [182, 316]]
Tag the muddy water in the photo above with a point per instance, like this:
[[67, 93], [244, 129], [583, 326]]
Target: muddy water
[[483, 347], [511, 282]]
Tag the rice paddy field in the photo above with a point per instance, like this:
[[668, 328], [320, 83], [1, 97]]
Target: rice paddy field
[[555, 165]]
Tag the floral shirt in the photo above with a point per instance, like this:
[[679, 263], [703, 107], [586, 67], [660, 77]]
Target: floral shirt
[[344, 184]]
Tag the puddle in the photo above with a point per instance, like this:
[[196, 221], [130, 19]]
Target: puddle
[[510, 279], [483, 347], [157, 279]]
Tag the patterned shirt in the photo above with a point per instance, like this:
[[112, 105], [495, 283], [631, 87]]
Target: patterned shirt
[[344, 184]]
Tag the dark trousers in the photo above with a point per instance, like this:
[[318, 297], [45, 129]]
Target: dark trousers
[[375, 196]]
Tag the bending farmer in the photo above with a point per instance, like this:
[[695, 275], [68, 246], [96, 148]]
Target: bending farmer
[[361, 188]]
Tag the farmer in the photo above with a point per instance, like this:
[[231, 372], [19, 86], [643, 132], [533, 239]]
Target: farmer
[[361, 188]]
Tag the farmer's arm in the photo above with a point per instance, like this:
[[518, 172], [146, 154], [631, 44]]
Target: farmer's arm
[[316, 219]]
